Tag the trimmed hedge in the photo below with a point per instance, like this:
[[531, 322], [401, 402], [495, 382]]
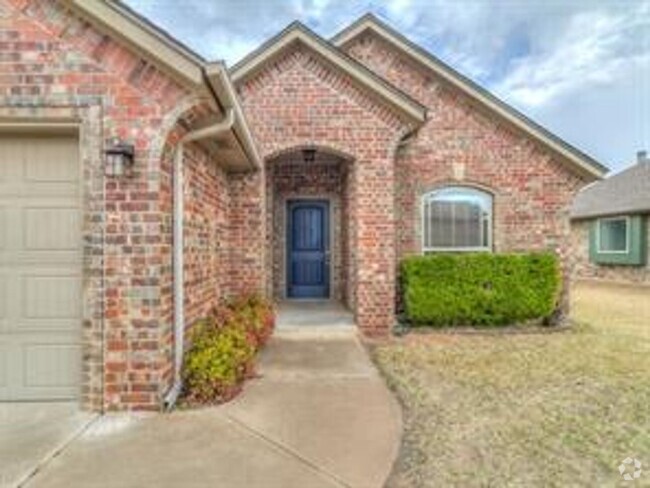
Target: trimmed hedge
[[222, 350], [480, 289]]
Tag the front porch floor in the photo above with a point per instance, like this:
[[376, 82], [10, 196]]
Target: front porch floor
[[305, 314]]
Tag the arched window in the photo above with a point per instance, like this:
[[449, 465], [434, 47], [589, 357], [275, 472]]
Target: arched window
[[457, 218]]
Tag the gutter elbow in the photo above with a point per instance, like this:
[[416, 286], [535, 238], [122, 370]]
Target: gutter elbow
[[226, 123]]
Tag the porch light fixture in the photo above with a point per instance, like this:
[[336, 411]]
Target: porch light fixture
[[309, 155], [118, 158]]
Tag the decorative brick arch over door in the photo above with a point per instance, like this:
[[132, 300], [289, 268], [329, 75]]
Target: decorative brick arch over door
[[300, 102], [304, 175]]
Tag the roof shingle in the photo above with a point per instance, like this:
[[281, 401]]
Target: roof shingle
[[621, 193]]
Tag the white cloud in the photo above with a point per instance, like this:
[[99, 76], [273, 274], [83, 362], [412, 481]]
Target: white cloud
[[596, 48], [589, 81]]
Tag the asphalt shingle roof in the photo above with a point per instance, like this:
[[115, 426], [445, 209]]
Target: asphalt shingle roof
[[624, 192]]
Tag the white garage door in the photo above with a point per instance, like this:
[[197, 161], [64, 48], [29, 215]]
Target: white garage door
[[40, 267]]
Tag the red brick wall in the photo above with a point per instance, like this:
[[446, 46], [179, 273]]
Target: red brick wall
[[56, 65], [298, 101], [206, 211], [206, 231], [246, 235], [463, 144]]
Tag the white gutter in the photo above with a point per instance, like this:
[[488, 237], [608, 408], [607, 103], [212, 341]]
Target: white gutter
[[178, 247], [217, 75]]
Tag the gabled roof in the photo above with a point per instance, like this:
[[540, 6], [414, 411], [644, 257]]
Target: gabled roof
[[177, 60], [297, 33], [626, 192], [370, 23]]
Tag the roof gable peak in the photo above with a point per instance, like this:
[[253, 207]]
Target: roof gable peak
[[297, 32], [370, 22]]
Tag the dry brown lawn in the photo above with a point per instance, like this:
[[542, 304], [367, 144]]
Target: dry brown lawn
[[529, 409]]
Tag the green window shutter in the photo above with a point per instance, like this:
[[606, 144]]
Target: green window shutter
[[633, 255]]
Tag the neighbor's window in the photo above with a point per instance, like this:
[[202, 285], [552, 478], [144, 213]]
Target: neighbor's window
[[456, 219], [613, 235]]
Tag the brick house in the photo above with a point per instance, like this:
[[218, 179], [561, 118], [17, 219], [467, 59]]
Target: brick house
[[610, 227], [141, 184]]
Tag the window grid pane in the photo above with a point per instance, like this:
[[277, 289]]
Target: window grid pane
[[613, 235], [456, 218]]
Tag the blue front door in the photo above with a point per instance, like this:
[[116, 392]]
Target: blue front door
[[308, 249]]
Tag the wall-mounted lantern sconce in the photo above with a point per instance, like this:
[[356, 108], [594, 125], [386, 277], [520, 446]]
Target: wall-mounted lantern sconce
[[309, 155], [118, 158]]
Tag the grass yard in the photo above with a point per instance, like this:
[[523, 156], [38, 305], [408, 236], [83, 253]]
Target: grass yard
[[529, 409]]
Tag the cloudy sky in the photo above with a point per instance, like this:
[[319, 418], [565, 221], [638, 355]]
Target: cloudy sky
[[581, 68]]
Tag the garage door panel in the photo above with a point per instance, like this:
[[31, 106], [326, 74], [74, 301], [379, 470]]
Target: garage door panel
[[7, 306], [40, 268], [51, 297], [3, 297], [43, 260], [3, 227], [12, 156], [51, 365], [45, 193], [38, 166], [51, 229], [4, 365]]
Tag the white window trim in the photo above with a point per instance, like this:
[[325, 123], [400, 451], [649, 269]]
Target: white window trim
[[424, 201], [627, 235]]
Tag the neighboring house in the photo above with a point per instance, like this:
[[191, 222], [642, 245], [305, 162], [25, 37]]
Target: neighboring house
[[609, 227], [141, 184]]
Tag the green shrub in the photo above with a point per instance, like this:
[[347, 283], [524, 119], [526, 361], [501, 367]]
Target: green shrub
[[222, 349], [480, 289]]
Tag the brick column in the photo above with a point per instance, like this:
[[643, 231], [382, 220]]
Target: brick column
[[375, 245]]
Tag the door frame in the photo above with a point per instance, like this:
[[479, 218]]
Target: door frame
[[329, 239]]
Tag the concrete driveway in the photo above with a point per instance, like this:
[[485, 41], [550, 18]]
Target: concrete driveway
[[319, 416], [31, 433]]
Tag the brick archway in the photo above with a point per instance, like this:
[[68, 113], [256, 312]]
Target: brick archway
[[299, 102], [310, 174]]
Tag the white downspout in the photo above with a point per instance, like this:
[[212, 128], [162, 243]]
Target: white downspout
[[178, 246]]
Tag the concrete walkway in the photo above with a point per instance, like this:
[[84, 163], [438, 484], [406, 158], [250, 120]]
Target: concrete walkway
[[319, 416], [32, 432]]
